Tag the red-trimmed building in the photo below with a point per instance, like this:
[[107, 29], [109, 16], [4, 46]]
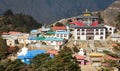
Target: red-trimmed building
[[61, 32], [87, 27]]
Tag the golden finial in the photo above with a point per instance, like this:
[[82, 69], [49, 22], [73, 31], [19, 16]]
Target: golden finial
[[86, 13]]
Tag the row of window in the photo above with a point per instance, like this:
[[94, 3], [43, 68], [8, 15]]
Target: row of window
[[79, 33], [101, 33], [101, 37], [61, 35], [90, 29]]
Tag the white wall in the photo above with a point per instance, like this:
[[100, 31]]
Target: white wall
[[97, 37], [112, 29], [10, 42], [75, 34], [54, 42], [83, 37], [65, 37], [21, 41]]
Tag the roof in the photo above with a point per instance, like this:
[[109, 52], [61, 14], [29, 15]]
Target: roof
[[50, 39], [90, 27], [40, 38], [82, 16], [95, 23], [109, 26], [34, 31], [79, 57], [62, 32], [31, 54], [50, 33], [13, 32], [54, 39], [96, 54], [59, 28], [32, 38], [4, 33], [115, 36], [54, 52], [78, 23], [114, 44], [110, 57]]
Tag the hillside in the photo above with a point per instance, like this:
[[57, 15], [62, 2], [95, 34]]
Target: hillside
[[49, 11], [109, 14], [17, 22]]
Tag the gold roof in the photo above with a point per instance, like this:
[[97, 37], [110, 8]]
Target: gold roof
[[96, 54], [87, 13]]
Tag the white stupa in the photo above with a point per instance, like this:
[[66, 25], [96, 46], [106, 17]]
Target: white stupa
[[24, 51], [81, 52]]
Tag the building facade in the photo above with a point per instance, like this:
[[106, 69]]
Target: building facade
[[89, 33], [62, 34], [88, 27]]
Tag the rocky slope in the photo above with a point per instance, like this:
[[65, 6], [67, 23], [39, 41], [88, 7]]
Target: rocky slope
[[48, 11], [109, 15]]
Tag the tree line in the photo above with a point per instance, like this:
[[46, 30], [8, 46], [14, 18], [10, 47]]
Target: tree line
[[17, 22]]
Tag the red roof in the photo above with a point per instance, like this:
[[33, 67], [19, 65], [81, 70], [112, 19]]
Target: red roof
[[13, 32], [78, 23], [114, 44], [54, 52], [106, 64], [59, 27], [79, 57], [95, 23], [4, 33], [110, 57]]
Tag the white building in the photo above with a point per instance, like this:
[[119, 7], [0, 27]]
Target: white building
[[110, 29], [10, 42], [89, 33], [22, 39], [62, 34], [115, 37], [13, 38], [87, 27]]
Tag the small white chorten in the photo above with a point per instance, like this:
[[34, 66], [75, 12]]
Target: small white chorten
[[24, 50], [81, 52]]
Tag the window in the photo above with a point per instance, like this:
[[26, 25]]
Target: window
[[101, 37], [82, 29], [57, 35], [82, 33], [61, 35], [78, 29], [65, 35], [97, 33], [101, 33], [101, 29], [96, 29], [78, 37], [110, 28], [78, 33], [51, 41]]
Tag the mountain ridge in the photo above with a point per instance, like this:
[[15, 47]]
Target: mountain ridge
[[49, 11]]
